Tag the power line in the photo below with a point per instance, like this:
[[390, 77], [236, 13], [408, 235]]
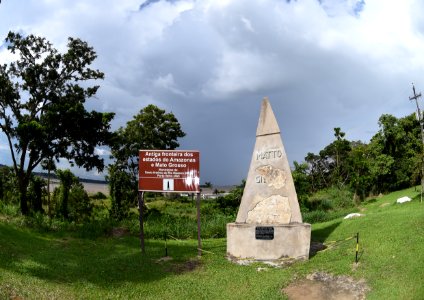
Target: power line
[[420, 120]]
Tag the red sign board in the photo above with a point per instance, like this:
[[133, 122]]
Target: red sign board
[[169, 171]]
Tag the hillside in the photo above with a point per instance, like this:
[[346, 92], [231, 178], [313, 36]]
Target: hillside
[[37, 265]]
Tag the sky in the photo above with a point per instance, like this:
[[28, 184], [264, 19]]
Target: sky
[[322, 63]]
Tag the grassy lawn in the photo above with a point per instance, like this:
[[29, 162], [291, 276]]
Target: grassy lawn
[[36, 265]]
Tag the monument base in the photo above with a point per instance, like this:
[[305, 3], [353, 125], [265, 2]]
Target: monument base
[[268, 242]]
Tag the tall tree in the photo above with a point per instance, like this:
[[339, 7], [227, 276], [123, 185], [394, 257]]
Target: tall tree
[[42, 109], [358, 166], [67, 179], [336, 155], [397, 148], [301, 181], [151, 128]]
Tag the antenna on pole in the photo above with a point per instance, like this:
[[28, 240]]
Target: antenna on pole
[[420, 120]]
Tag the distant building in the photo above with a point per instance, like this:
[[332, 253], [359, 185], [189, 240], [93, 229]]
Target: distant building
[[207, 193]]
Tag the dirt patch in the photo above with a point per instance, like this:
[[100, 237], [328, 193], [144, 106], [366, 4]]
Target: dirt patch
[[184, 267], [323, 286], [188, 266]]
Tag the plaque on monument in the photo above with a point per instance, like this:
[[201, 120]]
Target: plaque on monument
[[269, 201], [264, 233]]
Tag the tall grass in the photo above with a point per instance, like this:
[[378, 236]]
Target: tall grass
[[172, 217]]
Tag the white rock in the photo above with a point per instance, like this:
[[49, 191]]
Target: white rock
[[403, 199], [353, 215]]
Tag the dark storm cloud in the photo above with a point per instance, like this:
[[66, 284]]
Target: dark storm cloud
[[323, 64]]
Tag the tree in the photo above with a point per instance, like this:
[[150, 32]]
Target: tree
[[335, 155], [49, 165], [395, 151], [36, 190], [152, 128], [8, 186], [71, 199], [358, 165], [301, 181], [318, 171], [123, 191], [208, 184], [230, 203], [42, 109], [67, 179]]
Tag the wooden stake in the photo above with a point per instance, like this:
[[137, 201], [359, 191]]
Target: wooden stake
[[199, 241], [140, 209]]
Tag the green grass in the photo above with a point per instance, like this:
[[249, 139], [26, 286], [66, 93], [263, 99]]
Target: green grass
[[37, 265]]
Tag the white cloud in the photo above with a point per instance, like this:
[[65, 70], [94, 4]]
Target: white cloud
[[167, 82], [324, 64], [102, 151], [247, 24]]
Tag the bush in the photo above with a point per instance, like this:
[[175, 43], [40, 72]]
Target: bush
[[79, 205], [330, 198], [315, 216], [9, 192], [318, 216], [9, 209], [37, 190], [123, 191], [98, 196]]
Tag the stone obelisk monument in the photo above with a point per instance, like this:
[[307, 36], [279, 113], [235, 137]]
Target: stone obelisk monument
[[269, 224]]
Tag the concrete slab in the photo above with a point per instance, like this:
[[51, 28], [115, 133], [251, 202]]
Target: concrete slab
[[289, 241]]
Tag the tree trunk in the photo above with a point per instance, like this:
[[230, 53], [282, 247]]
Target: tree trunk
[[48, 194], [64, 205], [23, 186], [37, 201]]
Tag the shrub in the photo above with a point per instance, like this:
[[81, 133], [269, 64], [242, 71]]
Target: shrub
[[98, 196], [9, 209], [123, 192], [315, 216], [79, 205], [330, 198], [8, 185], [37, 189], [70, 199]]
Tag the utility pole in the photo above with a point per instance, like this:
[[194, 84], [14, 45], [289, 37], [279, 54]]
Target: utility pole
[[420, 120]]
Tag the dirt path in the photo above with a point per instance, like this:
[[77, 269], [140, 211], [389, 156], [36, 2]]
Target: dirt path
[[323, 286]]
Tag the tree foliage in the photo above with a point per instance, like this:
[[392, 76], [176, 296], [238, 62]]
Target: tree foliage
[[123, 191], [230, 203], [71, 199], [151, 128], [37, 190], [8, 185], [42, 113], [67, 179], [390, 161]]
